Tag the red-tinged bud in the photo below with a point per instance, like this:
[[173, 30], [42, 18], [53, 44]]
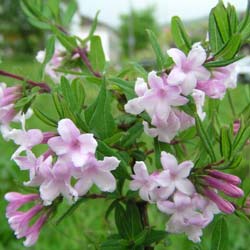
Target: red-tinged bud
[[225, 187], [236, 126], [232, 179], [223, 205]]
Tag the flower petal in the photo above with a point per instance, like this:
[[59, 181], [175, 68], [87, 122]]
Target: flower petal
[[185, 186], [67, 130], [168, 161], [105, 181], [177, 55]]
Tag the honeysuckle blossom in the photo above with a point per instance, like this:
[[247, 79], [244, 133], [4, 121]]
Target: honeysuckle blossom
[[58, 182], [166, 130], [37, 167], [188, 69], [189, 215], [96, 172], [8, 97], [72, 144], [142, 181], [213, 88], [25, 139], [23, 222], [156, 100], [176, 174]]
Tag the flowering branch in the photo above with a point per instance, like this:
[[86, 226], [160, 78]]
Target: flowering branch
[[44, 87]]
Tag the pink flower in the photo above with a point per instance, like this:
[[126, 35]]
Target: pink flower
[[213, 88], [72, 144], [185, 218], [167, 129], [143, 182], [37, 167], [23, 222], [188, 69], [98, 173], [57, 181], [156, 100], [16, 200], [8, 97], [176, 175]]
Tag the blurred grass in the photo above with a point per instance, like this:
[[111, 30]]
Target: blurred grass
[[86, 228]]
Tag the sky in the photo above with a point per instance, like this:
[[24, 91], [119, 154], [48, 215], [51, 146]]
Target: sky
[[165, 9]]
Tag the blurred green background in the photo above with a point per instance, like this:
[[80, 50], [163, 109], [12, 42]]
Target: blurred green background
[[86, 228]]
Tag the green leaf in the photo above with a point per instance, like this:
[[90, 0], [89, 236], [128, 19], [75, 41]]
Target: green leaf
[[205, 138], [115, 138], [241, 138], [126, 86], [231, 48], [78, 93], [50, 48], [139, 70], [99, 116], [180, 35], [154, 236], [157, 49], [220, 239], [121, 222], [225, 142], [222, 63], [57, 103], [92, 29], [222, 21], [246, 18], [115, 244], [38, 24], [96, 55], [44, 118], [69, 12], [157, 150], [215, 39], [68, 42], [132, 135], [236, 161], [54, 7], [233, 18], [133, 219], [71, 210]]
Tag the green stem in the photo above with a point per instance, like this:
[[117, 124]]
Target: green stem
[[230, 99]]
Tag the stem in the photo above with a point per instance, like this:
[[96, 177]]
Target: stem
[[231, 103], [82, 53], [44, 87], [142, 206]]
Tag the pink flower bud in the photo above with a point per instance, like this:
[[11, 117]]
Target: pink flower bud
[[225, 187], [236, 126], [233, 179], [47, 136], [223, 205]]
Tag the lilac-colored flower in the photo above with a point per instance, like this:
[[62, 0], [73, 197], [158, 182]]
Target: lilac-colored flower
[[185, 218], [167, 129], [57, 181], [156, 100], [72, 144], [8, 97], [25, 139], [38, 167], [213, 88], [98, 173], [230, 178], [199, 99], [142, 181], [176, 174], [25, 223], [188, 69], [227, 74], [16, 200]]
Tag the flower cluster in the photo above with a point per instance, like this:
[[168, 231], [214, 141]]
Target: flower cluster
[[166, 93], [70, 156], [175, 195]]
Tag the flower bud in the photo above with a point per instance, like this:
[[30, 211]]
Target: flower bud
[[233, 179]]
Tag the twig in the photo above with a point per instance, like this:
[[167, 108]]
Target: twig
[[44, 87]]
